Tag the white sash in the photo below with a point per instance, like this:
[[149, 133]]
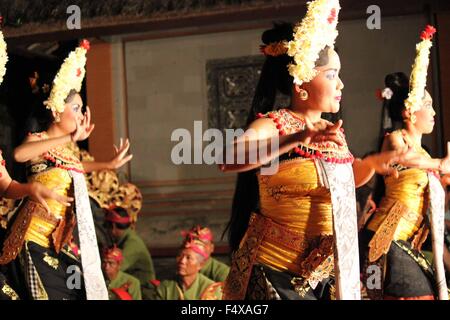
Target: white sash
[[90, 257], [437, 216], [340, 181]]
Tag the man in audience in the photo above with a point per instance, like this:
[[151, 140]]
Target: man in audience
[[121, 286], [189, 283], [212, 268]]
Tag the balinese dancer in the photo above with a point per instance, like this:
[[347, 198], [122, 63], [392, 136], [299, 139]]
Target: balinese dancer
[[294, 233], [12, 189], [412, 205], [40, 239]]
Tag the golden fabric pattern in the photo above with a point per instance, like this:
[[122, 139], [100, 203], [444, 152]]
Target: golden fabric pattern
[[51, 261], [33, 222], [41, 227], [294, 199], [243, 260], [401, 214], [210, 293], [7, 290], [60, 182], [381, 241], [16, 237]]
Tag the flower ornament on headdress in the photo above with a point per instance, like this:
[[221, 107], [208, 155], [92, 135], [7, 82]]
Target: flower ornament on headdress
[[387, 93], [316, 31], [70, 76], [274, 49], [3, 57], [418, 79], [203, 234]]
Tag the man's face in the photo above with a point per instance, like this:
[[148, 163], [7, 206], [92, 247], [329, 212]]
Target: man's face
[[114, 232], [111, 268], [188, 263]]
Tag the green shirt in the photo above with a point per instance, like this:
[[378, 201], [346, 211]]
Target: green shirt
[[122, 279], [172, 290], [136, 258], [215, 270]]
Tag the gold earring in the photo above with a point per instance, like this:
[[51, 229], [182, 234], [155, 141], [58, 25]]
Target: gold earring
[[413, 118], [303, 94], [57, 118]]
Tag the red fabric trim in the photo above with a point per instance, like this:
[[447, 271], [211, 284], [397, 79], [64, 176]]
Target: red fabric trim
[[46, 156], [113, 216], [155, 282], [122, 294]]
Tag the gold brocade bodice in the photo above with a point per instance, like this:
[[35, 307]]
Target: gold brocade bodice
[[52, 169], [402, 211], [405, 200], [33, 223], [295, 199], [40, 229], [410, 189]]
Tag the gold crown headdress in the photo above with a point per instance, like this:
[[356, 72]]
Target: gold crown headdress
[[316, 31], [3, 57], [418, 79], [70, 76]]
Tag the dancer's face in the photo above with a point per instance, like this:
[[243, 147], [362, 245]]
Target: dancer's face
[[72, 114], [425, 116], [188, 263], [325, 90]]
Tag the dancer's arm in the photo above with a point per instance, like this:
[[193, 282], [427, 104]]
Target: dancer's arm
[[255, 145], [416, 160], [120, 158], [381, 163], [34, 146]]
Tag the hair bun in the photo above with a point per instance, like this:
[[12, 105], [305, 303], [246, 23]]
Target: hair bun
[[280, 31], [397, 81]]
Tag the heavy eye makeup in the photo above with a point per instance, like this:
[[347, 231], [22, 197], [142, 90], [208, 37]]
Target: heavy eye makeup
[[331, 74], [76, 107], [428, 105]]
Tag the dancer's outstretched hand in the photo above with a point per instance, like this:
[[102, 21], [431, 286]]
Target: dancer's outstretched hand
[[120, 157], [84, 129], [322, 131], [382, 162], [414, 159], [39, 193]]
